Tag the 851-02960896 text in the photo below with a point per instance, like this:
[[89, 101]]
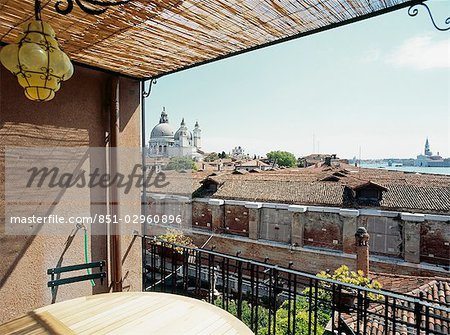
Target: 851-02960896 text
[[98, 218], [136, 218]]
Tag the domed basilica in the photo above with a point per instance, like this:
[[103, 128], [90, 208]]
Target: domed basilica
[[165, 143]]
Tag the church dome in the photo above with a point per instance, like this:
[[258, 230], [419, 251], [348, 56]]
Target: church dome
[[178, 132], [177, 135], [162, 130]]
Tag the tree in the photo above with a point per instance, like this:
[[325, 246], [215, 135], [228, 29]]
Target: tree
[[213, 156], [181, 163], [223, 155], [282, 158]]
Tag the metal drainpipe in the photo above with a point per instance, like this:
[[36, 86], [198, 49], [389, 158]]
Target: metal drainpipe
[[115, 242], [144, 188]]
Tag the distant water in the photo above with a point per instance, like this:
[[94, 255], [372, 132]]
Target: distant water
[[417, 169]]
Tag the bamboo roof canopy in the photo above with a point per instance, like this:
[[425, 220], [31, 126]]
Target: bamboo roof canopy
[[152, 38]]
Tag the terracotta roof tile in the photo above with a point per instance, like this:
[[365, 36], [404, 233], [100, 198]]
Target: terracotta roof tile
[[435, 290], [428, 193]]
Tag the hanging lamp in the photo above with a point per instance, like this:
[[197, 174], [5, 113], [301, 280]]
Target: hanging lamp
[[37, 60]]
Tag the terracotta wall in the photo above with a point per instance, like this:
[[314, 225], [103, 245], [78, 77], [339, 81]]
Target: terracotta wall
[[323, 230], [435, 243], [236, 220], [312, 261], [78, 116], [201, 215], [327, 240]]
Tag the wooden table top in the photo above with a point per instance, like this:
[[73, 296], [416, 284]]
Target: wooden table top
[[128, 313]]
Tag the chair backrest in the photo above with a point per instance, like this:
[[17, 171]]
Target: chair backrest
[[90, 276]]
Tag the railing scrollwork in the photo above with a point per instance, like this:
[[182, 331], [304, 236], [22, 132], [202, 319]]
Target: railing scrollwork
[[93, 7], [414, 10]]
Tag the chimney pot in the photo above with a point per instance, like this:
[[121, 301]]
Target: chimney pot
[[362, 250]]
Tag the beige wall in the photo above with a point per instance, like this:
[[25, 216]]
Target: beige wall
[[78, 116]]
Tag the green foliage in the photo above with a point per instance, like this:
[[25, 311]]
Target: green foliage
[[223, 155], [344, 275], [301, 316], [176, 236], [213, 156], [301, 162], [263, 313], [181, 163], [282, 158]]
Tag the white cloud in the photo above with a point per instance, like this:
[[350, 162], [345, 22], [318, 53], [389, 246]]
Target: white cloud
[[371, 56], [422, 53]]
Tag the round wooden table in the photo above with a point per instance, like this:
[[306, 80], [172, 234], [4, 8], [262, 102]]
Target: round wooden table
[[128, 313]]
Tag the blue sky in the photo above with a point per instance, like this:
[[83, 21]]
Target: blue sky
[[381, 84]]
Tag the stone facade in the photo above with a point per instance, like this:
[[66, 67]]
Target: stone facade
[[164, 142], [399, 242]]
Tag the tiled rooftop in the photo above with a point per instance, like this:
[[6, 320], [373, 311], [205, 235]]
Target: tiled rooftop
[[432, 289], [405, 191], [413, 284]]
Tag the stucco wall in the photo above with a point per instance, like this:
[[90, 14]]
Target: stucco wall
[[386, 235], [76, 117], [275, 225]]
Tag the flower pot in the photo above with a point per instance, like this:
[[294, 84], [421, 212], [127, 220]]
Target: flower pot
[[169, 254], [344, 301]]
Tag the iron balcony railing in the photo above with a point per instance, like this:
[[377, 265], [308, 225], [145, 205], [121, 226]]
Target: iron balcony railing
[[276, 300]]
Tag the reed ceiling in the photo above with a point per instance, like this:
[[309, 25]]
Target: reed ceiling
[[144, 39]]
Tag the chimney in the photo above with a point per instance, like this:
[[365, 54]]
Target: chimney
[[362, 250], [328, 161]]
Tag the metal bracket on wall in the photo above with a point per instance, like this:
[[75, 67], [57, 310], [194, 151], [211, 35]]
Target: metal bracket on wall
[[147, 94], [413, 11], [93, 7]]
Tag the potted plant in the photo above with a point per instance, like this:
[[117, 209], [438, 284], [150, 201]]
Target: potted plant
[[346, 298], [174, 236]]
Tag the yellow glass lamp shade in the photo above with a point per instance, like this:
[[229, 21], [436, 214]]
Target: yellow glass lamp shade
[[33, 57], [37, 61], [9, 56]]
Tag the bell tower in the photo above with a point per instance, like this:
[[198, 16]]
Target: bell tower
[[427, 150], [183, 135], [164, 118], [197, 136]]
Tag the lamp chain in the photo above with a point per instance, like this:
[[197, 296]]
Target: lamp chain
[[37, 10]]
